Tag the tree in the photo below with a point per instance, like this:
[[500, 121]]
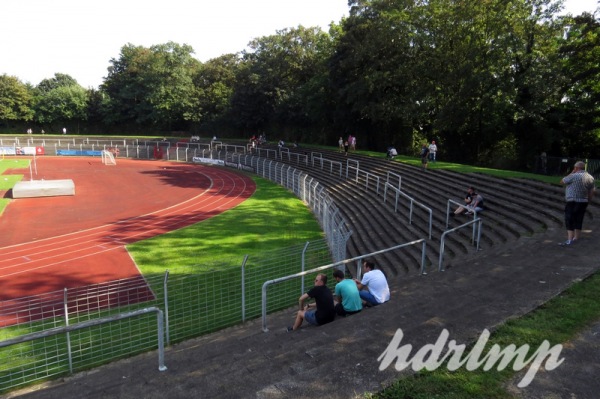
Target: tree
[[59, 80], [62, 104], [215, 82], [15, 100], [275, 78], [468, 74], [579, 110], [152, 86]]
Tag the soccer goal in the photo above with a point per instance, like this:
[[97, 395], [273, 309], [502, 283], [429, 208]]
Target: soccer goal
[[108, 158]]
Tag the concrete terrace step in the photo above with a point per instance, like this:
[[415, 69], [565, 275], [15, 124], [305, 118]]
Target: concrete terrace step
[[501, 227], [520, 268], [339, 360]]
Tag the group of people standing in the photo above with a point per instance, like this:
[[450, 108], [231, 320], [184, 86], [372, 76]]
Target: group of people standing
[[428, 153], [346, 145], [349, 296]]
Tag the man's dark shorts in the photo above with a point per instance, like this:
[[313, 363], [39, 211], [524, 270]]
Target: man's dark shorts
[[340, 311]]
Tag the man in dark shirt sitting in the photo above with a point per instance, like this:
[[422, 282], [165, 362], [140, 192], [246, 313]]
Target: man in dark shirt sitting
[[323, 312]]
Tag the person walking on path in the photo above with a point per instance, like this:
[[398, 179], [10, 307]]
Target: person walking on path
[[432, 151], [424, 155], [323, 311], [347, 298], [579, 190], [373, 287]]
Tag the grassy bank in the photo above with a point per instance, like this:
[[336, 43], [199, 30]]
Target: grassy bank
[[558, 321]]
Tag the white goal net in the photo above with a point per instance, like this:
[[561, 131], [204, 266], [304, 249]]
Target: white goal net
[[108, 158]]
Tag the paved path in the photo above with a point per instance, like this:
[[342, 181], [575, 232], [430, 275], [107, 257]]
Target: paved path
[[339, 360]]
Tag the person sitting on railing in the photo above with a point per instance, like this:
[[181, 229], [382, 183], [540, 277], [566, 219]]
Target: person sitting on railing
[[468, 198], [473, 201], [476, 204], [323, 311], [373, 288]]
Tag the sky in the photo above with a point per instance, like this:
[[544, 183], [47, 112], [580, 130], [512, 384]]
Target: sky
[[39, 38]]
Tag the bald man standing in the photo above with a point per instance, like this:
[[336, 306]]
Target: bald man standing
[[579, 190]]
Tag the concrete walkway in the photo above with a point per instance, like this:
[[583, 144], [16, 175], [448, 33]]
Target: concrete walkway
[[340, 360]]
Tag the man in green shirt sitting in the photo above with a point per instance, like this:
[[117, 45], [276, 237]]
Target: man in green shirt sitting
[[347, 299]]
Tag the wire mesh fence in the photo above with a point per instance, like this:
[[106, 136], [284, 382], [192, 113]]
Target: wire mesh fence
[[193, 303], [53, 355]]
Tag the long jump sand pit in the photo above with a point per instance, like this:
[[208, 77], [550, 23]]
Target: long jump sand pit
[[43, 188]]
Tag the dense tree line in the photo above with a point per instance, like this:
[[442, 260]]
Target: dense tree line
[[493, 82]]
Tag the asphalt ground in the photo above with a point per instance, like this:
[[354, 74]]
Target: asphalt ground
[[340, 359]]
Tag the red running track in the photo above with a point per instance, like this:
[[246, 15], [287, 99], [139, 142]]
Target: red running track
[[51, 243]]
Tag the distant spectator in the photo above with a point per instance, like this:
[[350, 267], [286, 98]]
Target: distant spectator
[[346, 147], [544, 160], [424, 155], [341, 144], [64, 130], [432, 151], [373, 287], [347, 298], [323, 311], [353, 143], [391, 153]]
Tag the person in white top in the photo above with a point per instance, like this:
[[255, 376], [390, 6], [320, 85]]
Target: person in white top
[[373, 288], [432, 151]]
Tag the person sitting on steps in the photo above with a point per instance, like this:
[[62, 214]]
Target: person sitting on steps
[[473, 201]]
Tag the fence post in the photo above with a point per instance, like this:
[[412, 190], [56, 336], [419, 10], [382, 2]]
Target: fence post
[[244, 288], [161, 343], [166, 301], [69, 351], [303, 265]]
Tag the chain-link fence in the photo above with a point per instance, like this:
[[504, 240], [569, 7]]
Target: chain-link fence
[[562, 166], [193, 304]]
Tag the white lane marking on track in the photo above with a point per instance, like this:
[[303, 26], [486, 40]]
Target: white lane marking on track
[[221, 194]]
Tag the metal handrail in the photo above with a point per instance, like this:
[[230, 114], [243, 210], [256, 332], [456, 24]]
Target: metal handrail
[[445, 233]]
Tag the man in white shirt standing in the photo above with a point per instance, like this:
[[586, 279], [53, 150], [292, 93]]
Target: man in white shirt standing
[[432, 151], [373, 288]]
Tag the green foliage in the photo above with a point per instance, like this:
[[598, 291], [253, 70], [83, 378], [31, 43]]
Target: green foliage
[[281, 76], [59, 80], [152, 86], [474, 76], [579, 110], [62, 104], [15, 100]]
